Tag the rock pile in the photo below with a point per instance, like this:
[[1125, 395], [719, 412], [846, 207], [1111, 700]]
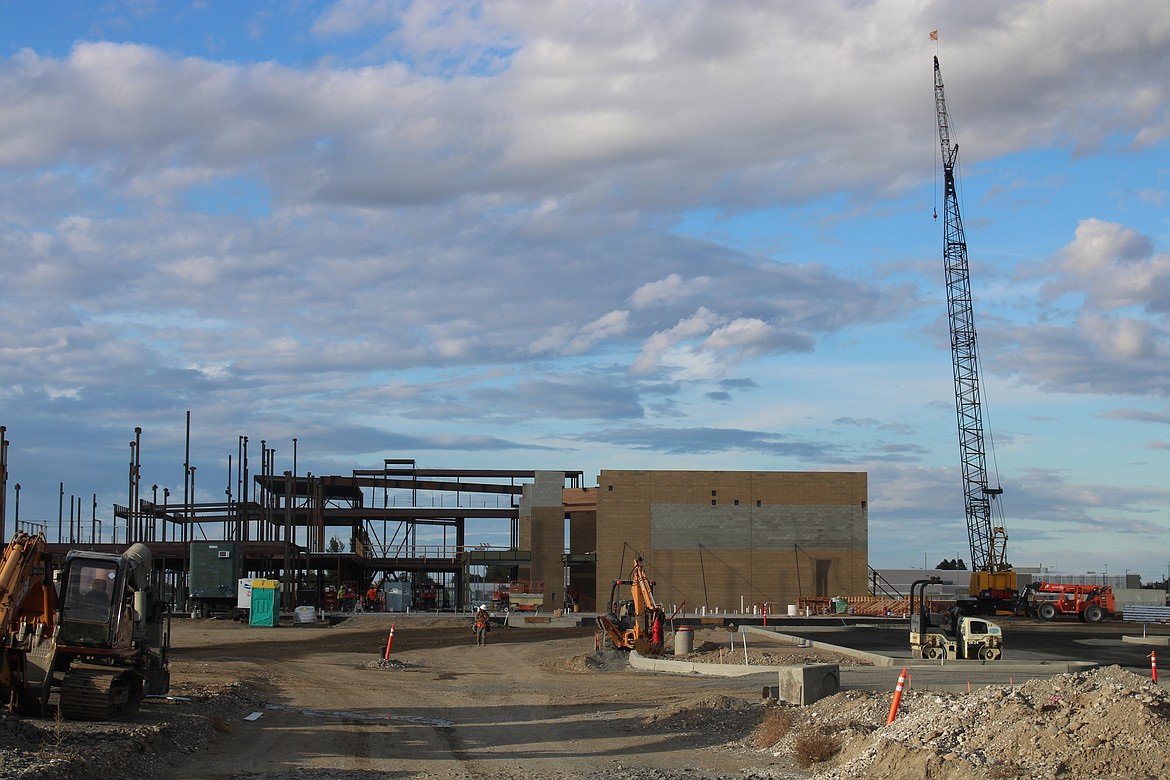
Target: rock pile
[[1105, 723]]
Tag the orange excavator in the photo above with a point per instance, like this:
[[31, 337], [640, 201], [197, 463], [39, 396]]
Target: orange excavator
[[636, 618], [28, 620]]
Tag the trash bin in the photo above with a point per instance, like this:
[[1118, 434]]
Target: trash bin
[[840, 605], [792, 610], [684, 640]]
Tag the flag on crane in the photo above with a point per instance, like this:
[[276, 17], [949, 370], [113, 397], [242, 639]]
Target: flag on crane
[[934, 35]]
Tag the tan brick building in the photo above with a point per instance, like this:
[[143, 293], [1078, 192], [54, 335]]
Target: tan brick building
[[719, 539]]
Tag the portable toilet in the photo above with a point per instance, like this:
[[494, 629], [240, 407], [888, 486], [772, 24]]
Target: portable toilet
[[265, 603], [244, 593]]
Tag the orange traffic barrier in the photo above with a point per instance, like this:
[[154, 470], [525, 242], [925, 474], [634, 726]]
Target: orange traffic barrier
[[389, 642], [897, 697]]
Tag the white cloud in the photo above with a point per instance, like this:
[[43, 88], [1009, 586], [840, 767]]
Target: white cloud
[[653, 351], [672, 289], [746, 334], [455, 202]]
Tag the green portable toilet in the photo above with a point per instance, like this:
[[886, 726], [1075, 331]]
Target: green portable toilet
[[265, 605]]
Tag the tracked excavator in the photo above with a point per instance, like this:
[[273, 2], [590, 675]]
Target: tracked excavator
[[636, 618], [111, 644], [100, 642]]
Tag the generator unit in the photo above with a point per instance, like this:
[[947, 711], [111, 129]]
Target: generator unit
[[216, 569]]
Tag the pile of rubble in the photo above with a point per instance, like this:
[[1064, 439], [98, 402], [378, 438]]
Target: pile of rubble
[[1102, 723], [48, 749]]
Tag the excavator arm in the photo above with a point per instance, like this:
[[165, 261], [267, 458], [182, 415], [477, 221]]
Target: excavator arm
[[28, 610], [626, 623]]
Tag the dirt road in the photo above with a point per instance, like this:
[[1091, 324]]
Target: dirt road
[[527, 705], [539, 703]]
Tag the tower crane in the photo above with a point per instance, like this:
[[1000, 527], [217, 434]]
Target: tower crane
[[993, 582]]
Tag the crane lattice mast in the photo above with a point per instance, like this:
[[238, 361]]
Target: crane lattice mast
[[987, 543]]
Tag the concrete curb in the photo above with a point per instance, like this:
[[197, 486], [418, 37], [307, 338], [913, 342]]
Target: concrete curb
[[861, 655], [694, 667], [1158, 641]]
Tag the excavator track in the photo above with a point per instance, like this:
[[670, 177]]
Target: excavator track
[[99, 693]]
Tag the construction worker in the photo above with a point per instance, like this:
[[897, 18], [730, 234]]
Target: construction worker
[[372, 598], [483, 624]]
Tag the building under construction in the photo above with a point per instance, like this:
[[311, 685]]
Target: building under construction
[[719, 540]]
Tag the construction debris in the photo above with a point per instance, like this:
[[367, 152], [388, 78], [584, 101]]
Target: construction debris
[[1103, 723]]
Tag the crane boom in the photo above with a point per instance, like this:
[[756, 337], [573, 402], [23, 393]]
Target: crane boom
[[988, 543]]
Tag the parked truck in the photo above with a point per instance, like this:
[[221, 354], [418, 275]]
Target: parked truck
[[950, 635]]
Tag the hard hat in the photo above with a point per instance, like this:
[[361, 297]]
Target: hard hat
[[483, 606]]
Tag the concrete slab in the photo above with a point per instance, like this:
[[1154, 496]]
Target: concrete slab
[[1040, 666]]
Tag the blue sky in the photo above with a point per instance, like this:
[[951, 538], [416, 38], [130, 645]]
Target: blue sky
[[692, 235]]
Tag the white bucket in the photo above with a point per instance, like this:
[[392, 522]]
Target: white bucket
[[305, 614], [792, 610]]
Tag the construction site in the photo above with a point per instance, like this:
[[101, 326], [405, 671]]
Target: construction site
[[647, 624], [657, 624]]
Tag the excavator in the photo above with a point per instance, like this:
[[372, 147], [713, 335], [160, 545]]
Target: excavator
[[28, 620], [100, 643], [636, 618], [111, 647]]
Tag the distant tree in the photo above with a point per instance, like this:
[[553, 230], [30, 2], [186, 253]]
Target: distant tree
[[334, 545], [946, 564], [960, 565], [497, 573]]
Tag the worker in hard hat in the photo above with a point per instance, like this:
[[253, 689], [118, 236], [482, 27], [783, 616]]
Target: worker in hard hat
[[483, 624]]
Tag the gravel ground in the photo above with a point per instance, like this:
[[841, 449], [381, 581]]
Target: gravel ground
[[1106, 723]]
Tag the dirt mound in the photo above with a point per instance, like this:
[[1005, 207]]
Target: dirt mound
[[577, 664], [701, 706], [1103, 723], [710, 719]]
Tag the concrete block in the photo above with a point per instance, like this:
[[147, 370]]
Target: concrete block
[[809, 683]]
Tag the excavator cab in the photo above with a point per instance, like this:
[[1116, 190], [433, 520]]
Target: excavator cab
[[92, 602], [111, 649]]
